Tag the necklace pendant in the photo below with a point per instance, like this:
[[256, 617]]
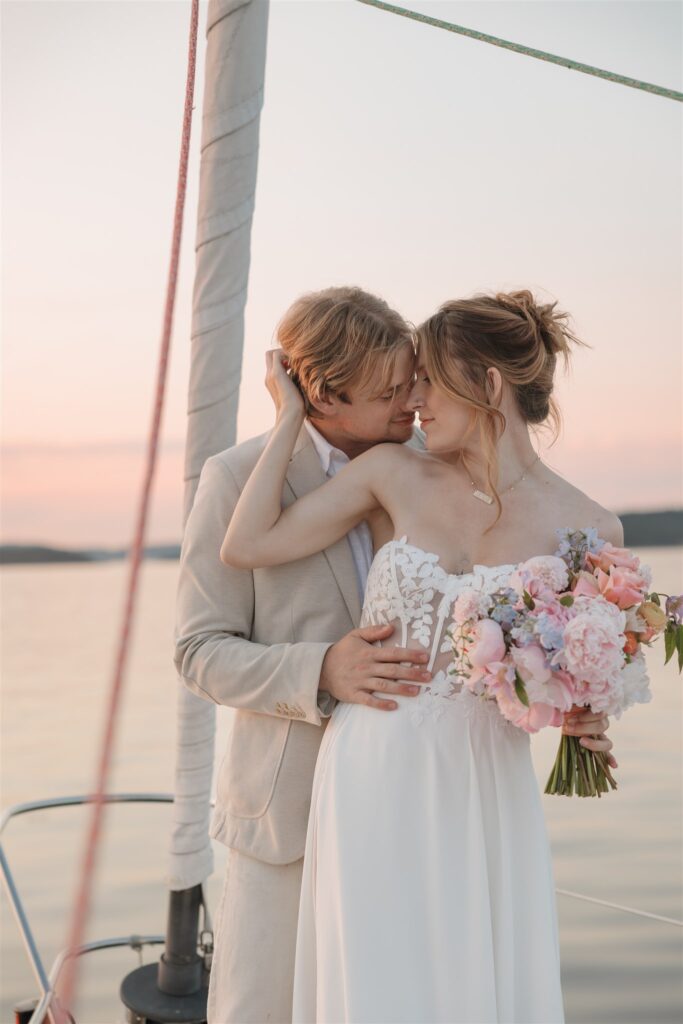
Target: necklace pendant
[[483, 497]]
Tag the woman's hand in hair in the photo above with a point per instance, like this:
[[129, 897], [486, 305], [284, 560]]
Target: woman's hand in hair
[[284, 392]]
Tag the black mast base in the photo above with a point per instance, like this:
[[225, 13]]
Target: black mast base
[[147, 1004]]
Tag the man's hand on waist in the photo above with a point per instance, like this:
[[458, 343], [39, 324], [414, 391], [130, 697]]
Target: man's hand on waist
[[354, 670]]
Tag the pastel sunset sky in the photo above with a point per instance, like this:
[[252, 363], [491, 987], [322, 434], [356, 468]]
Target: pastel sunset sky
[[418, 164]]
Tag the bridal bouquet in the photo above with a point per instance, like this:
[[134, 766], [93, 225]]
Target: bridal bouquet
[[567, 630]]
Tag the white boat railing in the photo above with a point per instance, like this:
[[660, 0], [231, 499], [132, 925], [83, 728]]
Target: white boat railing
[[47, 980]]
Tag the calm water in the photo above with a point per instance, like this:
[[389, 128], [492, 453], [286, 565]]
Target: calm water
[[58, 635]]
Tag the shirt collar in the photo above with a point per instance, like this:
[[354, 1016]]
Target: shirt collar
[[326, 451]]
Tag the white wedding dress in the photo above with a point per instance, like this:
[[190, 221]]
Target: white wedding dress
[[428, 892]]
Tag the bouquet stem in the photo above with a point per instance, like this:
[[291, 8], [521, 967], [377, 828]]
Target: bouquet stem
[[579, 770]]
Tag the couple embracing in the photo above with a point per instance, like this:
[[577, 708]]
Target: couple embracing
[[388, 855]]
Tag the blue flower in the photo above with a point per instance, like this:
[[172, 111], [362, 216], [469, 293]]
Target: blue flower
[[505, 615], [548, 632]]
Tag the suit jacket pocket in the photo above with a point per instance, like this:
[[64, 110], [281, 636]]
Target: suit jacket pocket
[[250, 768]]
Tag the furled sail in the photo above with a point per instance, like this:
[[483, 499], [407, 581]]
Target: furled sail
[[233, 96]]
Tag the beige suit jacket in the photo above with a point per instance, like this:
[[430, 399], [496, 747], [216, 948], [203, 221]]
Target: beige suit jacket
[[255, 641]]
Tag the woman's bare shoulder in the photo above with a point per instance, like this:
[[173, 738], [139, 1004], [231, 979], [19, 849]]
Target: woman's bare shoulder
[[607, 523], [581, 510], [387, 467], [393, 456]]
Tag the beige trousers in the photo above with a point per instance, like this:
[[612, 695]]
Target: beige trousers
[[252, 972]]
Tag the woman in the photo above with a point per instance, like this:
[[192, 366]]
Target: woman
[[428, 892]]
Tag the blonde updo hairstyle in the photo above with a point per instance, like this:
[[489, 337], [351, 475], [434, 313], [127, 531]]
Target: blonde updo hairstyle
[[509, 331]]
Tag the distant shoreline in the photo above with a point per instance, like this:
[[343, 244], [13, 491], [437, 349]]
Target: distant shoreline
[[642, 529], [40, 554]]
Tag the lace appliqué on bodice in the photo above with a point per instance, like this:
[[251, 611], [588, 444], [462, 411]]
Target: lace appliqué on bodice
[[408, 589]]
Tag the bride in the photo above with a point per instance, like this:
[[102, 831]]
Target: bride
[[428, 890]]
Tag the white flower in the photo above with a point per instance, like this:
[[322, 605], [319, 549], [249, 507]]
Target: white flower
[[608, 699], [634, 622], [636, 683], [645, 572]]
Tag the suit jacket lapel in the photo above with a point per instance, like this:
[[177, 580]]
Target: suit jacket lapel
[[305, 474]]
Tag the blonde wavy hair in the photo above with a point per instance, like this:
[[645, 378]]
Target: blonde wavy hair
[[522, 338], [336, 337]]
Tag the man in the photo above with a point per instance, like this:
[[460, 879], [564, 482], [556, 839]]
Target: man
[[280, 645]]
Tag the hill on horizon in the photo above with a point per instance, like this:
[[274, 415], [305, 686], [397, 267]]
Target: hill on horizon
[[662, 528]]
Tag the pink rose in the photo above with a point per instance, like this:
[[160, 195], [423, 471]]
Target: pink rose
[[622, 587], [609, 556], [586, 584], [488, 643]]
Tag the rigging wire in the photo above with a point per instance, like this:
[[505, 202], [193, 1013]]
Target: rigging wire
[[527, 51], [66, 995], [620, 906]]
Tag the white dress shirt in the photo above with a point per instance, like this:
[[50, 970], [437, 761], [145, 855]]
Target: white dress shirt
[[360, 538]]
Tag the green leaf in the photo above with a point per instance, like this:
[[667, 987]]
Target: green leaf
[[679, 646], [529, 601], [520, 689], [567, 600], [669, 642], [654, 598]]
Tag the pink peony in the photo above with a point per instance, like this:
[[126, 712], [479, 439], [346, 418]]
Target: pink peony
[[539, 575], [561, 690], [531, 663], [542, 684], [602, 695], [500, 683], [549, 569], [488, 643], [594, 640]]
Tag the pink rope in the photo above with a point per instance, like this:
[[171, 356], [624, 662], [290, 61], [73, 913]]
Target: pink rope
[[67, 988]]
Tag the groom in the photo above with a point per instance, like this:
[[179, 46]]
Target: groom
[[280, 645]]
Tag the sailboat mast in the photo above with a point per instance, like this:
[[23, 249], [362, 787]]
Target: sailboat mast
[[233, 96], [236, 33]]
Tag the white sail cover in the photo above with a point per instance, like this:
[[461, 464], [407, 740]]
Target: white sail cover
[[233, 97]]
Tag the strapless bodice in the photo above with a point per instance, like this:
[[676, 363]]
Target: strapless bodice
[[408, 588]]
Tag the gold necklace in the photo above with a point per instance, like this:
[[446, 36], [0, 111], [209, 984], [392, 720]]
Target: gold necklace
[[483, 496]]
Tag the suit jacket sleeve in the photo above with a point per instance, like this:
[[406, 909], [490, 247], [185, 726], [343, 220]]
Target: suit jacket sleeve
[[214, 654]]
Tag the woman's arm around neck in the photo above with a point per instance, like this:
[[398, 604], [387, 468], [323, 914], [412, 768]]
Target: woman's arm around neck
[[260, 532]]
